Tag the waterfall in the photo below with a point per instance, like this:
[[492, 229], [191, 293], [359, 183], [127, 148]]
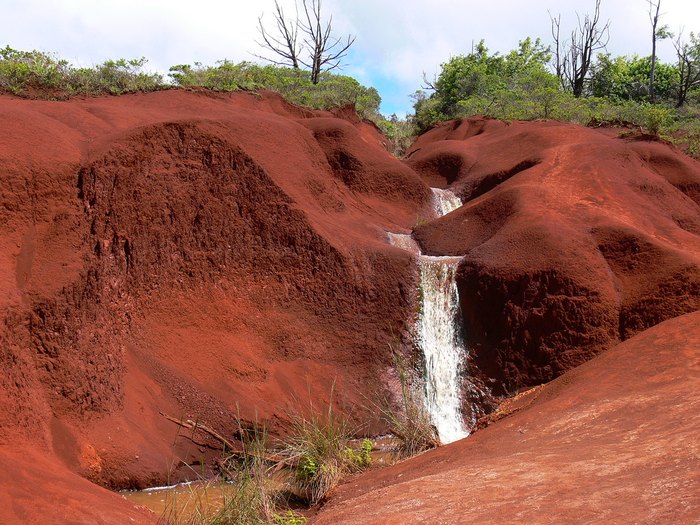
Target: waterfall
[[444, 201], [437, 330]]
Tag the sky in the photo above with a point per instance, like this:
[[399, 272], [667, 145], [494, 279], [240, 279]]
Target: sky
[[396, 40]]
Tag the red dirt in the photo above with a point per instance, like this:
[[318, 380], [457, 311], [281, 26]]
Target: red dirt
[[38, 490], [193, 254], [613, 441], [574, 239], [202, 255]]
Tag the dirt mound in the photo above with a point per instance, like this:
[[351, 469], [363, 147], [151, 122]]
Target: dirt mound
[[574, 239], [39, 490], [190, 254], [612, 441]]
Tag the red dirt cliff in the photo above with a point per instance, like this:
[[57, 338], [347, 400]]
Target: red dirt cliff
[[190, 254], [573, 239], [202, 255]]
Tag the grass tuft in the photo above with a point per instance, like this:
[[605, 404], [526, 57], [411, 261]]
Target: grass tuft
[[409, 421], [319, 447]]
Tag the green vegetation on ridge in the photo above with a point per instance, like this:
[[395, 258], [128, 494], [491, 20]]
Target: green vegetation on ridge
[[41, 75]]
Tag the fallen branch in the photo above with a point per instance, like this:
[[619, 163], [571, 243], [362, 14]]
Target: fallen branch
[[234, 451], [195, 425]]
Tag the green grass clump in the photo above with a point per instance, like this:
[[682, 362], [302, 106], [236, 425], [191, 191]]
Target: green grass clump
[[246, 492], [319, 447], [293, 84]]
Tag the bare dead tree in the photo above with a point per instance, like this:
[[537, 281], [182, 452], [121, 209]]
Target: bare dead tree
[[657, 33], [429, 84], [688, 54], [325, 51], [572, 58], [319, 50], [654, 19], [556, 30], [284, 44]]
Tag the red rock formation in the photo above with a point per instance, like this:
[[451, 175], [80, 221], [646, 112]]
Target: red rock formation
[[573, 239], [201, 255], [193, 254], [612, 441]]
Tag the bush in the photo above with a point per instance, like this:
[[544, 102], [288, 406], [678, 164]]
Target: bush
[[293, 84], [114, 77], [319, 447], [40, 74], [20, 70], [400, 132]]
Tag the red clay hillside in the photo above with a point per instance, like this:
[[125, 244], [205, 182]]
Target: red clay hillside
[[204, 255]]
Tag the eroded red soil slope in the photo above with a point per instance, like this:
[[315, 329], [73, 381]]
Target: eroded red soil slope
[[574, 239], [202, 255], [189, 254], [613, 441]]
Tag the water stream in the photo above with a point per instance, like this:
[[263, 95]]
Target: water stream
[[437, 329]]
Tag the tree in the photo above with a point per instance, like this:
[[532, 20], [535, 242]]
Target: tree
[[656, 34], [688, 54], [319, 50], [627, 78], [517, 83], [284, 45], [572, 58]]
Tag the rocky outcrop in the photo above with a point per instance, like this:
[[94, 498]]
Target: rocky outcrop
[[192, 254], [573, 239]]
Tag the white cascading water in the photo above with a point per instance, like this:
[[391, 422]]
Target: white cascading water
[[444, 201], [437, 329]]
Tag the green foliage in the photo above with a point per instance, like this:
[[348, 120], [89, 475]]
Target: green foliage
[[37, 73], [400, 132], [21, 69], [656, 117], [518, 86], [248, 496], [34, 73], [332, 90], [289, 518], [362, 458], [515, 85], [627, 78], [319, 446], [685, 130]]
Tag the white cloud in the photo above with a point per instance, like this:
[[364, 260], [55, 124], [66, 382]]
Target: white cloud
[[396, 40]]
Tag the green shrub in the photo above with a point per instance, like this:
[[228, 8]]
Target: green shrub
[[41, 74], [400, 132], [113, 77], [656, 117], [31, 69], [293, 84], [319, 447]]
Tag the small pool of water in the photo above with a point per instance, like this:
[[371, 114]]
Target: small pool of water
[[182, 500], [178, 502]]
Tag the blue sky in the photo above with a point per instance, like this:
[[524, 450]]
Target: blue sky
[[396, 40]]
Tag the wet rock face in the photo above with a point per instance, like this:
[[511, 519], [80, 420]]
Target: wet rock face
[[573, 239], [527, 329]]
